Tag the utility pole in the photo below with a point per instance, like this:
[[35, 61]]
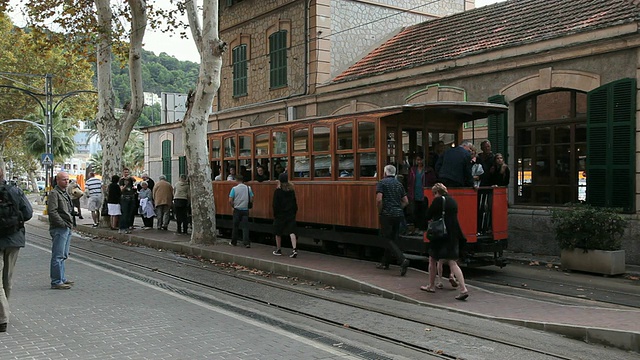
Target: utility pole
[[49, 126]]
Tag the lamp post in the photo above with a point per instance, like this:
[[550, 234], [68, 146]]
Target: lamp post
[[48, 109]]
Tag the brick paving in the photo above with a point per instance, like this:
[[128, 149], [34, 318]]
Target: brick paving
[[620, 327]]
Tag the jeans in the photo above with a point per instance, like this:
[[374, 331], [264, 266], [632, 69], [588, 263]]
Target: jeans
[[163, 215], [240, 221], [390, 231], [8, 257], [59, 253]]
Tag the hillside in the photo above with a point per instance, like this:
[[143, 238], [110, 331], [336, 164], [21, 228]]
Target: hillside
[[160, 73]]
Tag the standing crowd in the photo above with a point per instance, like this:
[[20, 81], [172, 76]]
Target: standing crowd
[[460, 166]]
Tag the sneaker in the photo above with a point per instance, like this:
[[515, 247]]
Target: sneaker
[[248, 246], [277, 252], [127, 231], [3, 327], [294, 254], [69, 282], [61, 287], [232, 243], [80, 217], [95, 225]]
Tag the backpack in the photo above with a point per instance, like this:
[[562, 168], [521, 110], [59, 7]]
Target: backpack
[[10, 215]]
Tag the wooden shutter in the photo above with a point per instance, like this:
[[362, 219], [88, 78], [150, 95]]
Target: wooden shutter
[[611, 145], [166, 159], [498, 128], [182, 165]]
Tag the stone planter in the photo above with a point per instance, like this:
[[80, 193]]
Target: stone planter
[[594, 261]]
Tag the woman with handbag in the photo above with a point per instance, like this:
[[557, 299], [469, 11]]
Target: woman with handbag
[[444, 236]]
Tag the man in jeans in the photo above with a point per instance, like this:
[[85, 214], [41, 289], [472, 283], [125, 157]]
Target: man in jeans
[[391, 199], [59, 207], [163, 198], [11, 240], [239, 198]]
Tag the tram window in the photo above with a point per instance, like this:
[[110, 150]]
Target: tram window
[[279, 142], [279, 166], [345, 136], [230, 170], [264, 163], [245, 169], [321, 138], [322, 165], [215, 171], [366, 135], [368, 164], [301, 140], [245, 145], [345, 165], [215, 149], [301, 166], [229, 147], [262, 144]]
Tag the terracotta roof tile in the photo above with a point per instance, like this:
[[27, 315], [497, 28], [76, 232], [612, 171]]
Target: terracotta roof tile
[[489, 28]]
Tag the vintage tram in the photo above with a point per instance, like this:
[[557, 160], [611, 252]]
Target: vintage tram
[[335, 163]]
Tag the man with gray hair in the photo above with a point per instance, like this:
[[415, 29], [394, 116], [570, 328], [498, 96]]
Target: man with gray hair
[[454, 166], [390, 200], [163, 198]]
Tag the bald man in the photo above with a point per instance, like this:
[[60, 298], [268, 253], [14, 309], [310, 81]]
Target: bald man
[[60, 208]]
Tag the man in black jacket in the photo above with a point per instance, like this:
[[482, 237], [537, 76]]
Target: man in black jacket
[[10, 243], [454, 166]]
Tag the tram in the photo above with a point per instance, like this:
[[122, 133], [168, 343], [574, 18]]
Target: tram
[[335, 163]]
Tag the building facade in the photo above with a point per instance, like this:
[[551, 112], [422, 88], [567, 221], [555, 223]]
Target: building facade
[[567, 70]]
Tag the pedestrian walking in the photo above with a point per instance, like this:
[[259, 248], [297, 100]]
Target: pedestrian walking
[[59, 208], [15, 209], [163, 197], [446, 248], [146, 208], [93, 190], [390, 200], [285, 208], [181, 203], [240, 199], [113, 201]]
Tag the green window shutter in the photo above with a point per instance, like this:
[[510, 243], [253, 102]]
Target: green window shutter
[[182, 165], [239, 58], [278, 59], [166, 159], [611, 145], [497, 128]]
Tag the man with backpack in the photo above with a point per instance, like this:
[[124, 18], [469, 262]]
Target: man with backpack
[[15, 209]]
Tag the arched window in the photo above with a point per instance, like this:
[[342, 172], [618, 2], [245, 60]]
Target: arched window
[[551, 148]]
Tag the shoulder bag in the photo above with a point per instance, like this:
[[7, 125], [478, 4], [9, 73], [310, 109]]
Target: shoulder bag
[[437, 228], [250, 205]]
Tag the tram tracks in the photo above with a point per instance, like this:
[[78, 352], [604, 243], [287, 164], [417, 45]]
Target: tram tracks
[[432, 351]]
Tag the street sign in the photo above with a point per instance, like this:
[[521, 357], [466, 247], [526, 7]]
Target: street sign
[[47, 159]]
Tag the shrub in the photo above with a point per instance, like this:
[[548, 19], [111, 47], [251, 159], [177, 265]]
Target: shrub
[[586, 227]]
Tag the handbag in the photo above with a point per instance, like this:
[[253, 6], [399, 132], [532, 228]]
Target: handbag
[[249, 197], [437, 229]]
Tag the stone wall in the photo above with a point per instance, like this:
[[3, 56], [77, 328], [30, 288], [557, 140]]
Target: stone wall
[[357, 27], [531, 231]]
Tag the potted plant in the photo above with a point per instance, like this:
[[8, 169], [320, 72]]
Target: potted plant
[[590, 238]]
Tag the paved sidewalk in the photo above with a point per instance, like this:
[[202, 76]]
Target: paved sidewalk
[[614, 327]]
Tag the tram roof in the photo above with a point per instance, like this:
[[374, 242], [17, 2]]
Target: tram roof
[[458, 111]]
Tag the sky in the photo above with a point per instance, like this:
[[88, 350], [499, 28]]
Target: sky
[[185, 49]]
